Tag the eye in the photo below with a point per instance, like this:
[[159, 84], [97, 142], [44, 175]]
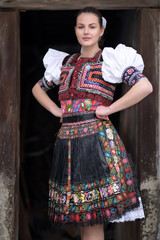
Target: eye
[[80, 27]]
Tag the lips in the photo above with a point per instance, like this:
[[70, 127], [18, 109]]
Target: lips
[[86, 38]]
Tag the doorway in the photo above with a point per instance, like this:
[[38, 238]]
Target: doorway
[[41, 30]]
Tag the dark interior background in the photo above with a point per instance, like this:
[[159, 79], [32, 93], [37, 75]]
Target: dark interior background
[[40, 30]]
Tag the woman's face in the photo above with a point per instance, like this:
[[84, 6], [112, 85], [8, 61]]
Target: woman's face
[[88, 30]]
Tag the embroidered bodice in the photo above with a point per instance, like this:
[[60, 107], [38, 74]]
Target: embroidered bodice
[[82, 78], [92, 78]]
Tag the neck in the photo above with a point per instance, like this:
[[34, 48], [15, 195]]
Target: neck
[[89, 52]]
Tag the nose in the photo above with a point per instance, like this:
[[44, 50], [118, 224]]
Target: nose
[[85, 30]]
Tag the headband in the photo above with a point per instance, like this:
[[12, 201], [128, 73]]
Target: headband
[[104, 22]]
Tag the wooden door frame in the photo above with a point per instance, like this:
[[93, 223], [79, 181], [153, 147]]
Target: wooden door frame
[[145, 147], [149, 125], [9, 119], [78, 4], [9, 123]]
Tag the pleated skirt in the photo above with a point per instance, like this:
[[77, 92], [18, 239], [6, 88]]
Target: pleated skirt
[[92, 180]]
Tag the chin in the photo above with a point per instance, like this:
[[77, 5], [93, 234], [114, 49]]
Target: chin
[[86, 44]]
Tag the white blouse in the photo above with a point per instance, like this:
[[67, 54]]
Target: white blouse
[[115, 61], [53, 62]]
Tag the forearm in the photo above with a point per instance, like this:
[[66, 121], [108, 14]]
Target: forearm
[[45, 101], [139, 91]]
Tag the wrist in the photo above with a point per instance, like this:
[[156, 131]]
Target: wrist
[[109, 110], [56, 111]]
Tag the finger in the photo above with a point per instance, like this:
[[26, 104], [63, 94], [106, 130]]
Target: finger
[[103, 117]]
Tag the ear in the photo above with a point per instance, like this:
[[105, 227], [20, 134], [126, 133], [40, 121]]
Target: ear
[[102, 31]]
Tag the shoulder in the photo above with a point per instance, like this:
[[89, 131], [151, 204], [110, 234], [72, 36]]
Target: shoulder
[[120, 51], [53, 55]]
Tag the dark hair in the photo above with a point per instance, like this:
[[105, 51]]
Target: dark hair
[[92, 10], [98, 14]]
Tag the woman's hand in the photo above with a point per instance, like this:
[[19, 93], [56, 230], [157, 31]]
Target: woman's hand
[[59, 114], [102, 112], [46, 102]]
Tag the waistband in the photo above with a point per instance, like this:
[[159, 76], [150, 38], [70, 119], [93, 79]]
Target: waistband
[[79, 117]]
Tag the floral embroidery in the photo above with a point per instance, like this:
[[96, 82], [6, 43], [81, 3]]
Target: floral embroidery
[[131, 75], [109, 133], [102, 198], [45, 84], [79, 105], [81, 129]]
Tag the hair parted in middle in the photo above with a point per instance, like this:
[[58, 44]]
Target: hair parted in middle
[[98, 14]]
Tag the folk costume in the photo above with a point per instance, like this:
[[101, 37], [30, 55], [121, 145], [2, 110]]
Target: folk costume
[[92, 180]]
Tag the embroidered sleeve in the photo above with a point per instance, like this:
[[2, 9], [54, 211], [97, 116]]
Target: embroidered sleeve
[[45, 84], [122, 63], [131, 76], [52, 61]]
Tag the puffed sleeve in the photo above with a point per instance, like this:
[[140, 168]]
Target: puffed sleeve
[[122, 64], [52, 62]]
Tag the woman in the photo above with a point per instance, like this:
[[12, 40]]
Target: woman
[[92, 181]]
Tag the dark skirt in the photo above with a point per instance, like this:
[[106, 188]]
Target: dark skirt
[[92, 180]]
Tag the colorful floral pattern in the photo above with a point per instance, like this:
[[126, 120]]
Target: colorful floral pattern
[[79, 105], [131, 76], [101, 199], [45, 84], [81, 129]]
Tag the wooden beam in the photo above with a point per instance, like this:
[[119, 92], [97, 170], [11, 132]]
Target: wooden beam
[[9, 124], [72, 4]]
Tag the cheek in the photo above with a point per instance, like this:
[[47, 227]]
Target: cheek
[[96, 34], [78, 36], [78, 33]]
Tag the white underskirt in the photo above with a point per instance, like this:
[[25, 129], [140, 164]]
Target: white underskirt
[[136, 213]]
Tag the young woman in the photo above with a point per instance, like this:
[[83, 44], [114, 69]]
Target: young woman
[[92, 181]]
